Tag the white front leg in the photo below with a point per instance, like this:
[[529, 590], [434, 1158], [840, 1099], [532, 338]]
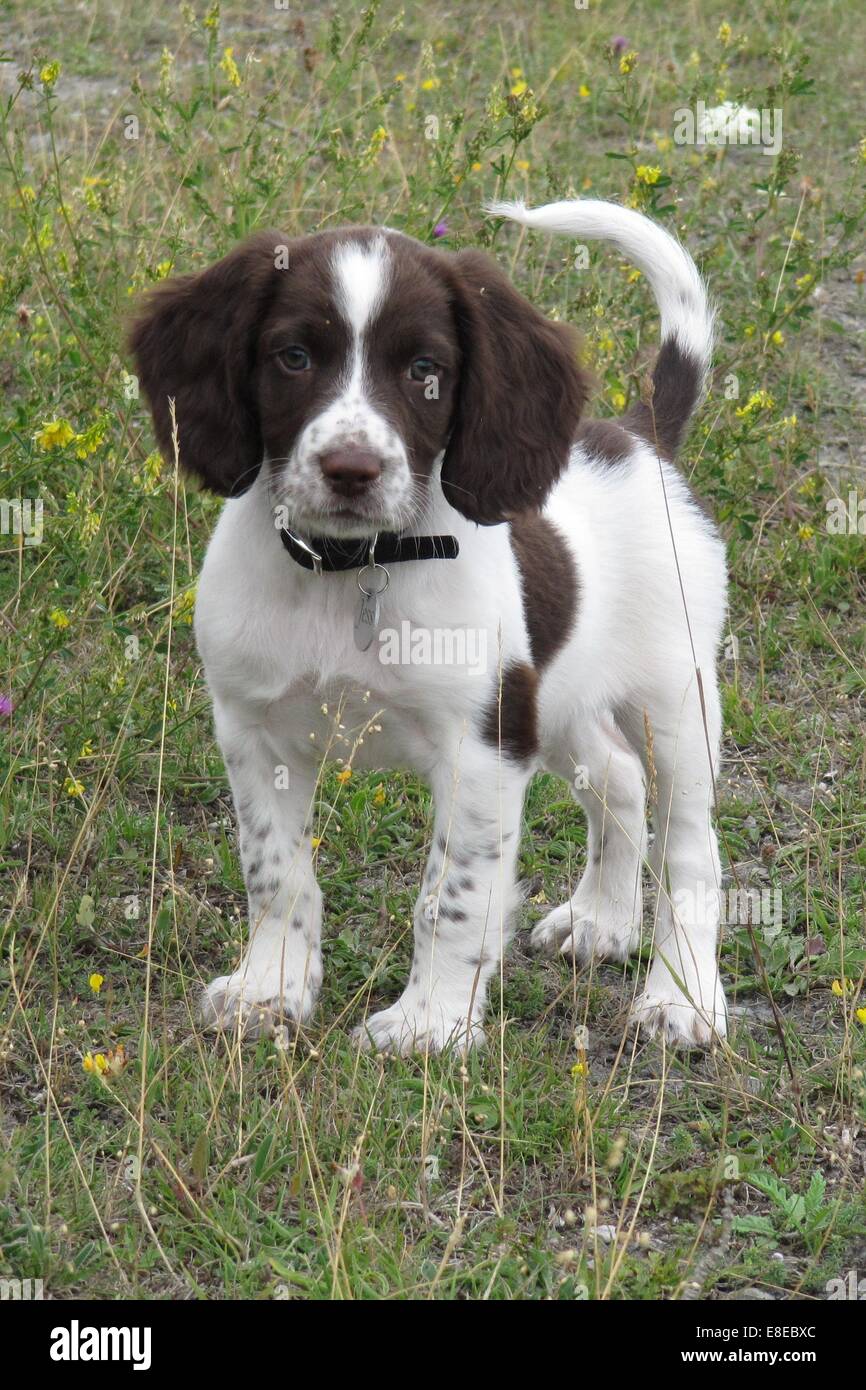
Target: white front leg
[[281, 970], [463, 916]]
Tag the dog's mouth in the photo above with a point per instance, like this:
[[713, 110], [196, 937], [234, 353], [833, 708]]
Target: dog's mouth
[[360, 518], [346, 521], [311, 509]]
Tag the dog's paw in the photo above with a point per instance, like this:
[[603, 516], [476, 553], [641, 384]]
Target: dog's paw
[[607, 932], [253, 1006], [663, 1010], [412, 1026]]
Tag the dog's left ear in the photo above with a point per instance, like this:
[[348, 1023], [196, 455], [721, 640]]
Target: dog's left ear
[[519, 400]]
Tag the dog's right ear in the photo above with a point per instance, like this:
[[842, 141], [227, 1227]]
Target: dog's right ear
[[194, 341]]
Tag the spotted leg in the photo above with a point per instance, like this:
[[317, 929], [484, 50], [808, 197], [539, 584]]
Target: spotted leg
[[463, 915], [281, 969]]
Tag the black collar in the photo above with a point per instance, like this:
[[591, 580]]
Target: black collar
[[328, 554]]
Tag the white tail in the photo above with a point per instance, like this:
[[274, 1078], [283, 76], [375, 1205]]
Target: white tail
[[687, 318]]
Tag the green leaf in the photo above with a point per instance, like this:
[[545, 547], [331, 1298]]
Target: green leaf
[[200, 1157]]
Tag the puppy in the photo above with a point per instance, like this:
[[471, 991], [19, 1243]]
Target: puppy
[[399, 435]]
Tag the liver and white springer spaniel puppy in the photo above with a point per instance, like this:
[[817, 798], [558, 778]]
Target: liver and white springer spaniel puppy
[[398, 433]]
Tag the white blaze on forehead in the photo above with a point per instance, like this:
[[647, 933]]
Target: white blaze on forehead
[[361, 274]]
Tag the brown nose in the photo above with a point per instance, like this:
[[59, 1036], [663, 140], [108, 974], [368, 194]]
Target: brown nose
[[350, 470]]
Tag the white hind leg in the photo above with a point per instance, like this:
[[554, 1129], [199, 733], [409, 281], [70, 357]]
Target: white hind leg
[[683, 997], [603, 918]]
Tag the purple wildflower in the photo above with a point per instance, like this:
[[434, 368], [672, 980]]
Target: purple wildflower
[[618, 44], [6, 705], [441, 229]]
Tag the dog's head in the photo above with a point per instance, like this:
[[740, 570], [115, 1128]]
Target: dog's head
[[346, 363]]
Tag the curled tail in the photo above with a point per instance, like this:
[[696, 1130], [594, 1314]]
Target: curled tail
[[687, 317]]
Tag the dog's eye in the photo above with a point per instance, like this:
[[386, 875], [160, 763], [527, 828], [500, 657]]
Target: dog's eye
[[295, 359], [421, 368]]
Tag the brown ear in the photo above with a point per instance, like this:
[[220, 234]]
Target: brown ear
[[195, 341], [520, 397]]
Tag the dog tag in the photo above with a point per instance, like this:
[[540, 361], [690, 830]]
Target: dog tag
[[373, 580]]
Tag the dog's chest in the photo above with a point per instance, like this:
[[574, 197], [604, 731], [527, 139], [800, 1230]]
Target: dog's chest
[[353, 724]]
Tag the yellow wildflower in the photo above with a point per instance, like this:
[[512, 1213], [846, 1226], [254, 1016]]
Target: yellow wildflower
[[151, 470], [73, 787], [96, 982], [184, 605], [583, 90], [58, 618], [379, 796], [842, 987], [100, 1063], [377, 140], [54, 434], [315, 841], [725, 32], [523, 165], [519, 88], [860, 1015], [230, 67], [805, 532], [49, 74], [759, 400], [430, 84], [777, 338], [90, 439], [647, 173], [628, 62], [344, 774]]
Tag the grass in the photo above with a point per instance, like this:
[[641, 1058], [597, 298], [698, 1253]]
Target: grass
[[540, 1169]]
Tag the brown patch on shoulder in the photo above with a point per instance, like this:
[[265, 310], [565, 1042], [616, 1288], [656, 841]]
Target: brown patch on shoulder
[[511, 718], [548, 582], [605, 439]]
